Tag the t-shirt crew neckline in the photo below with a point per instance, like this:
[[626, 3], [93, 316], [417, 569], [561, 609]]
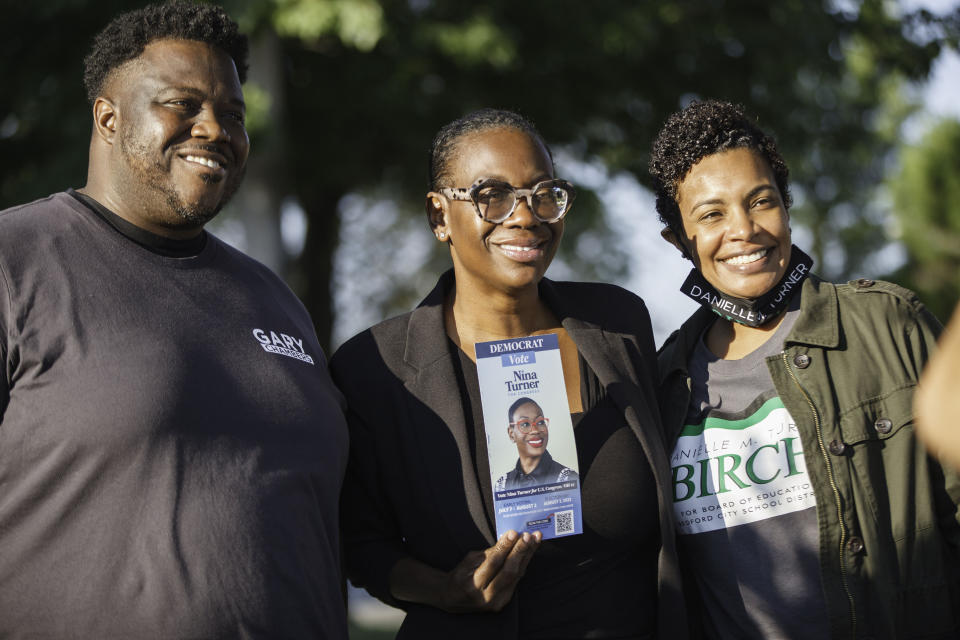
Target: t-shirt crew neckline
[[182, 254], [718, 367]]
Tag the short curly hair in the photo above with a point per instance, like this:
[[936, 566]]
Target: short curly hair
[[129, 33], [703, 129], [445, 142]]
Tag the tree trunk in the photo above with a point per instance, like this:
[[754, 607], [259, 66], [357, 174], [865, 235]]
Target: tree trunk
[[257, 204], [312, 276]]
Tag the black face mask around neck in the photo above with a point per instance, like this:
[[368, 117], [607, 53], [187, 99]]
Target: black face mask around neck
[[758, 311]]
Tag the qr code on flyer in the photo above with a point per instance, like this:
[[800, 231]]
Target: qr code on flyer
[[563, 522]]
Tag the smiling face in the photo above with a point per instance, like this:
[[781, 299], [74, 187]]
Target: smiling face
[[514, 254], [534, 443], [736, 226], [180, 144]]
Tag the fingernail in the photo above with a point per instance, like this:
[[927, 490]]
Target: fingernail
[[526, 537], [511, 535]]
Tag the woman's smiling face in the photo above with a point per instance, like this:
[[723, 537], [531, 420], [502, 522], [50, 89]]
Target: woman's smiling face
[[514, 254], [736, 226], [534, 443]]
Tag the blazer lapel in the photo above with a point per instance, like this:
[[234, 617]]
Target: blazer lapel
[[607, 354], [432, 380]]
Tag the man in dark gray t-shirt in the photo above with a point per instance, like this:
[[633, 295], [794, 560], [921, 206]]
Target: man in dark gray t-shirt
[[171, 445]]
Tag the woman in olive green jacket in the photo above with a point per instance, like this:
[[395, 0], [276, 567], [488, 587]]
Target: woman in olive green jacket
[[805, 506]]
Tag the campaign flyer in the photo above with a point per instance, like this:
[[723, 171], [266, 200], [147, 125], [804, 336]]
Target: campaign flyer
[[533, 454]]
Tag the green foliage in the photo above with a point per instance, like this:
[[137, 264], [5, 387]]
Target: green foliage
[[926, 196], [45, 120], [357, 23], [477, 42], [364, 85], [258, 102]]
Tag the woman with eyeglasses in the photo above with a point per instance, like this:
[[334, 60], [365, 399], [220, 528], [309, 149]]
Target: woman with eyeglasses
[[418, 514], [529, 430]]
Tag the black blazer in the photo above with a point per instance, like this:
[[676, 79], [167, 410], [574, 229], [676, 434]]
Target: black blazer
[[411, 488]]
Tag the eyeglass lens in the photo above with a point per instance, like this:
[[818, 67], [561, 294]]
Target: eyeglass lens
[[526, 426], [497, 202]]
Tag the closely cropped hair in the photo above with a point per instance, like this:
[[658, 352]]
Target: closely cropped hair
[[445, 142], [700, 130], [129, 33], [519, 402]]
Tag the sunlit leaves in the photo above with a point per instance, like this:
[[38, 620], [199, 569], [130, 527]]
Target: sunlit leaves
[[477, 41], [926, 196], [927, 191], [258, 102], [357, 23]]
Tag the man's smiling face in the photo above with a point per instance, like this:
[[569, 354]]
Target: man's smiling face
[[180, 137]]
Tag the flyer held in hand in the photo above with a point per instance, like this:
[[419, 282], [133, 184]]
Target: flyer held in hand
[[530, 442]]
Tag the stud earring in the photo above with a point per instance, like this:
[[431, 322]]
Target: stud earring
[[441, 235]]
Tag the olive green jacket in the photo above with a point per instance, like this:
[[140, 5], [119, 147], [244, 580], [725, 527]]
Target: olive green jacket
[[887, 512]]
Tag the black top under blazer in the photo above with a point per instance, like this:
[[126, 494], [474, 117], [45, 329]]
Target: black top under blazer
[[411, 489]]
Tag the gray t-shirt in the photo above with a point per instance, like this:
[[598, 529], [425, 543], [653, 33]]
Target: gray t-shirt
[[171, 445], [744, 504]]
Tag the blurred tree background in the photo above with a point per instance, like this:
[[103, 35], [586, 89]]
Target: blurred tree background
[[345, 96], [926, 196]]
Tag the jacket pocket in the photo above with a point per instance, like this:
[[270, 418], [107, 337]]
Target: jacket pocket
[[908, 571], [888, 468], [879, 418]]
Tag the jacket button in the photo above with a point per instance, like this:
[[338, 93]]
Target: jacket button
[[836, 447], [883, 425], [855, 544], [863, 283], [802, 360]]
